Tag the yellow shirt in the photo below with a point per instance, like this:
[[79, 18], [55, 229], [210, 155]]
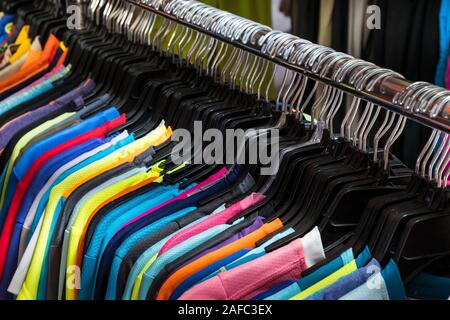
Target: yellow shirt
[[328, 281], [18, 64], [22, 143], [23, 34], [90, 206], [70, 184], [24, 43]]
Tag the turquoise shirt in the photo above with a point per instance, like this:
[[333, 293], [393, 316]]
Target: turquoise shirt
[[142, 261], [167, 257], [112, 223], [34, 91], [130, 242]]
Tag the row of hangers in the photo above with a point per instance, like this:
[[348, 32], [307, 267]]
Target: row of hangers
[[345, 181]]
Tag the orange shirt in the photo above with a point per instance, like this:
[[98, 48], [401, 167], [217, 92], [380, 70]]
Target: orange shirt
[[36, 62], [247, 242]]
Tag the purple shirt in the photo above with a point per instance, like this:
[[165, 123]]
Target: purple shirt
[[11, 128]]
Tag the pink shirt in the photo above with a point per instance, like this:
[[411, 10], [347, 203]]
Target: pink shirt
[[255, 277], [182, 196], [215, 220]]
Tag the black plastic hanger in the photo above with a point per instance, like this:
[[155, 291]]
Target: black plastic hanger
[[425, 240]]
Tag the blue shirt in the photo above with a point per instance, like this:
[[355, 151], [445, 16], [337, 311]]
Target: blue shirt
[[173, 254], [427, 286], [444, 42], [394, 282], [34, 152], [130, 242], [41, 178], [110, 225], [90, 160], [123, 234]]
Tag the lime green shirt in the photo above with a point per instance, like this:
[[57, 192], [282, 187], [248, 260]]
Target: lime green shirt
[[89, 207], [137, 283]]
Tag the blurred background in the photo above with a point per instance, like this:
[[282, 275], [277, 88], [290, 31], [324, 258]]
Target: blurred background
[[409, 36]]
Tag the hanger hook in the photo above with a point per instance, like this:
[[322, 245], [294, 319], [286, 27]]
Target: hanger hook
[[424, 151], [398, 130], [430, 152]]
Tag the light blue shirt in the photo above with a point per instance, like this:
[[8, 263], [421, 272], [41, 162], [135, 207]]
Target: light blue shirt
[[167, 257], [386, 285], [110, 224], [130, 242], [32, 92], [150, 253]]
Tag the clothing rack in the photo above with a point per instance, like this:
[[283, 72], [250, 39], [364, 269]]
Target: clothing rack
[[94, 205], [383, 95]]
